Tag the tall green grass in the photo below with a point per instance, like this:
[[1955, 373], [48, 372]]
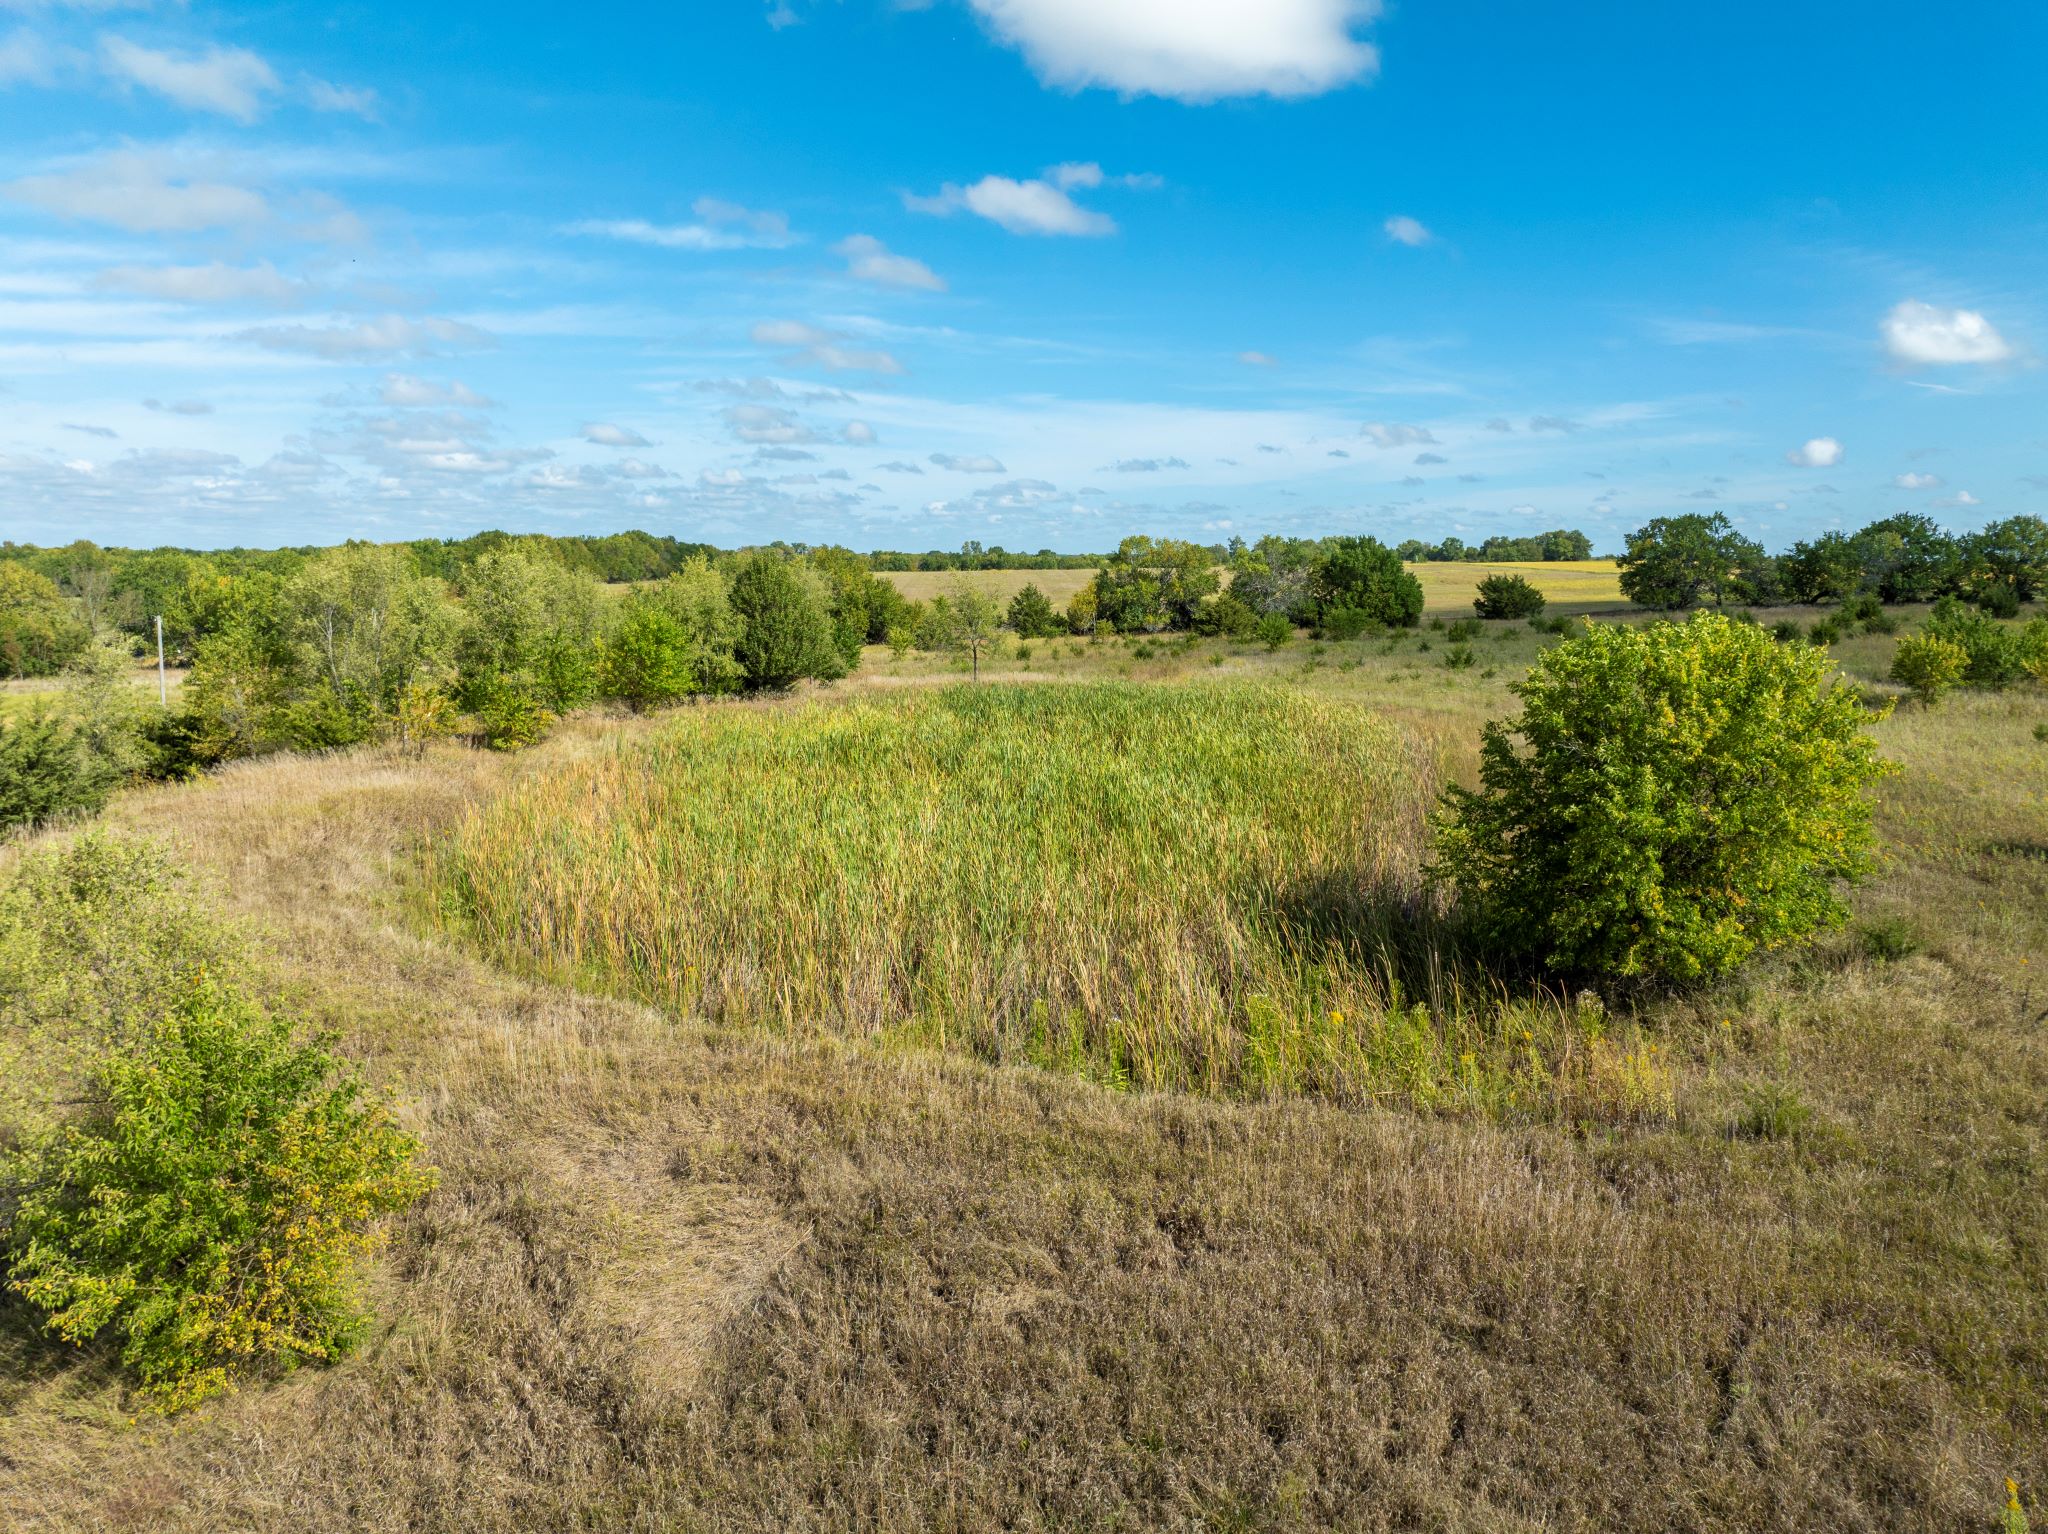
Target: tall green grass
[[1202, 888]]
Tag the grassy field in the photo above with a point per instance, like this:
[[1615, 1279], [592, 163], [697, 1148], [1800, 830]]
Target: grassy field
[[1578, 586], [1197, 887], [685, 1273]]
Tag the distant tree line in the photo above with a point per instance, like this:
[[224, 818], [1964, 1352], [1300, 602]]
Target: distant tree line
[[1687, 561], [1560, 544]]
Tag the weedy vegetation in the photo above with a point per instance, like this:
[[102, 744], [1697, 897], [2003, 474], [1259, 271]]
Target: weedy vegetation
[[1063, 1101]]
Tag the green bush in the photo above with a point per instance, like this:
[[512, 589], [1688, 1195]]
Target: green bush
[[1998, 653], [1459, 657], [1364, 574], [1274, 630], [1343, 623], [1031, 616], [1507, 596], [1929, 664], [1788, 631], [1997, 601], [1226, 617], [1683, 796], [47, 771], [511, 720], [185, 1177], [208, 1214], [1462, 630], [785, 623]]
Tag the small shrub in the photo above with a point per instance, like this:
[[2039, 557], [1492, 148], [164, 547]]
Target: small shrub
[[1463, 629], [1929, 665], [46, 771], [1998, 654], [209, 1214], [1459, 657], [1343, 623], [1773, 1111], [1864, 607], [1507, 596], [1685, 795], [1788, 631], [1826, 632], [1889, 939], [1274, 630], [1997, 600]]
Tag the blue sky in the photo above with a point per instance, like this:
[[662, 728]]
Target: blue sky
[[1033, 272]]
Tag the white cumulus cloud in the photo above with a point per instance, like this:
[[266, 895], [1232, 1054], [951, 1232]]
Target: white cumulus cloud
[[231, 81], [1403, 230], [1924, 333], [970, 463], [214, 283], [720, 226], [1913, 481], [1395, 434], [1042, 205], [142, 192], [1191, 50], [1818, 453], [604, 434], [868, 259], [389, 336]]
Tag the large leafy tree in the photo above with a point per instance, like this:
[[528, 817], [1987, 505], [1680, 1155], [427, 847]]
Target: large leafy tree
[[1154, 583], [1364, 575], [2012, 553], [1908, 558], [1675, 562]]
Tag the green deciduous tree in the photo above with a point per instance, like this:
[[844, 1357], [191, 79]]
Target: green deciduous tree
[[1366, 576], [1671, 800], [1674, 562]]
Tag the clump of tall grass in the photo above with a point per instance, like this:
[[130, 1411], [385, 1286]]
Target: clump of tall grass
[[1208, 888]]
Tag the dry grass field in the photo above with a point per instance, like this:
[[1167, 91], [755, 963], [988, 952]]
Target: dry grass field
[[1785, 1269], [1577, 586]]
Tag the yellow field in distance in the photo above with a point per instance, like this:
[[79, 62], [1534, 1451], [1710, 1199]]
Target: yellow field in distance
[[1583, 585]]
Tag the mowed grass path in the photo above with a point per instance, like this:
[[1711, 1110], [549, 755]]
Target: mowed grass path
[[1575, 586]]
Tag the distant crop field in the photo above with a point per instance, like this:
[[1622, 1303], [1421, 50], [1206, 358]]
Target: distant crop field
[[1582, 585], [1573, 586], [922, 585]]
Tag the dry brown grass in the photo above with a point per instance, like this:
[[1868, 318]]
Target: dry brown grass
[[681, 1279]]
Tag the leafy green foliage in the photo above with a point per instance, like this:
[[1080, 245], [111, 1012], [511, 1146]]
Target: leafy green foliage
[[1366, 576], [1150, 584], [1507, 596], [1031, 615], [46, 770], [1274, 630], [1998, 653], [1673, 562], [1684, 795], [39, 635], [208, 1214], [785, 623], [673, 641], [1930, 665]]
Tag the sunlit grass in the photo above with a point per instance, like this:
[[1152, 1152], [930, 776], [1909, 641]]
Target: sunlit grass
[[1199, 888]]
